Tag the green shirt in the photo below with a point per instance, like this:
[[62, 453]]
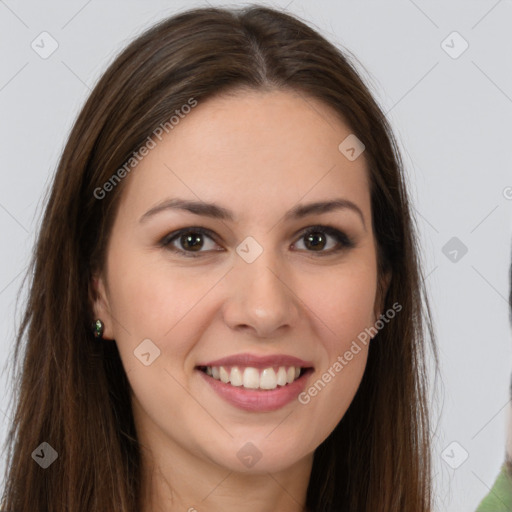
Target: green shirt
[[499, 498]]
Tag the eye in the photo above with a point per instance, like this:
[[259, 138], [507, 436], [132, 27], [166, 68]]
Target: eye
[[316, 239], [190, 241]]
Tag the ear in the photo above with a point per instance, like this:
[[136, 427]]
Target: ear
[[382, 290], [101, 304]]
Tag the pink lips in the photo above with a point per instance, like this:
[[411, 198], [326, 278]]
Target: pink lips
[[259, 361], [256, 400]]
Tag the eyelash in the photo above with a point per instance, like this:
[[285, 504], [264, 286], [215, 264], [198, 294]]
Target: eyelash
[[344, 242]]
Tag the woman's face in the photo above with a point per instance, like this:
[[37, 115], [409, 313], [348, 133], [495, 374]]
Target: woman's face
[[243, 283]]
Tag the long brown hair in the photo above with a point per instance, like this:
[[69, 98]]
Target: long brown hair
[[72, 391]]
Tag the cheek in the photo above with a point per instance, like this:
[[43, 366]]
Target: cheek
[[143, 300], [342, 301], [152, 299]]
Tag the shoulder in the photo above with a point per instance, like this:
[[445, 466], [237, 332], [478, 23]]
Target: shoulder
[[499, 498]]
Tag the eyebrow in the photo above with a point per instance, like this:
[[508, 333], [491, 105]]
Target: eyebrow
[[218, 212]]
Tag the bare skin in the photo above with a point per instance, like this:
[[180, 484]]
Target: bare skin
[[257, 154]]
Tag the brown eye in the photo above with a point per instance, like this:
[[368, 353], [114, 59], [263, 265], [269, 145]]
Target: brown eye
[[189, 241], [195, 241], [315, 241], [318, 238]]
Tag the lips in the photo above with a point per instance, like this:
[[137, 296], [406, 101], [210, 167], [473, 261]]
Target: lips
[[261, 362], [257, 383]]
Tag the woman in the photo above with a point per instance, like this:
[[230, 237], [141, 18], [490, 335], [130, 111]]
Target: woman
[[282, 368]]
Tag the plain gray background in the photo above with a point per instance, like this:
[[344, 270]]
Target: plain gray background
[[451, 113]]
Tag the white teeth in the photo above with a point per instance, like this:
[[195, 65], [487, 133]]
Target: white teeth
[[281, 376], [268, 379], [224, 375], [236, 378], [251, 378]]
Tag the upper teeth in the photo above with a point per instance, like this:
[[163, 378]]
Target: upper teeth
[[251, 378]]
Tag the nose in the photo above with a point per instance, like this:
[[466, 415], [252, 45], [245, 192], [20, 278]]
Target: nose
[[261, 298]]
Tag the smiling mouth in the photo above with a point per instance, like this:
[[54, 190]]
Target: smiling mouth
[[264, 379]]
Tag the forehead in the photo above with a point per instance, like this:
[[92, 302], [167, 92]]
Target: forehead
[[252, 149]]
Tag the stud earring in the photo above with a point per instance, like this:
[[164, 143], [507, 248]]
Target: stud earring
[[97, 328]]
